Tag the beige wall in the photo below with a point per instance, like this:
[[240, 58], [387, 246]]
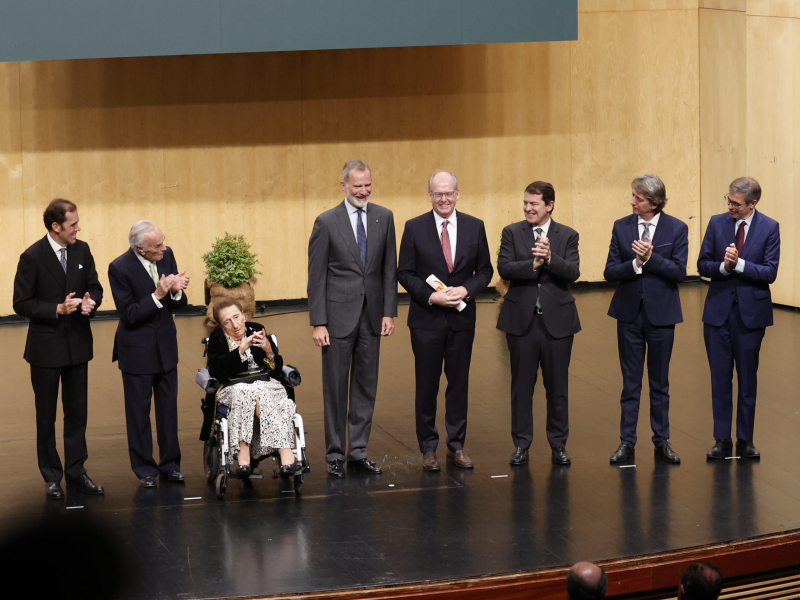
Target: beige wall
[[253, 143]]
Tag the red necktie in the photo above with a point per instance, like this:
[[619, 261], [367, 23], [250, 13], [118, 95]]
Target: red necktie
[[740, 238], [448, 253]]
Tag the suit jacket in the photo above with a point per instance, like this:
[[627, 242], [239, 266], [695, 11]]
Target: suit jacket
[[40, 285], [421, 255], [661, 274], [146, 342], [549, 283], [338, 283], [761, 253]]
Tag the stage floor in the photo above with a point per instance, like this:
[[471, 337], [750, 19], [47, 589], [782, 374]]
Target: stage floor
[[408, 525]]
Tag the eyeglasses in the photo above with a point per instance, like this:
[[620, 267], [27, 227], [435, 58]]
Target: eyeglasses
[[732, 204], [448, 195]]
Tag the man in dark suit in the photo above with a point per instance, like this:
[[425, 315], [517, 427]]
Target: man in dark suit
[[740, 255], [56, 287], [540, 259], [647, 257], [451, 246], [352, 300], [147, 288]]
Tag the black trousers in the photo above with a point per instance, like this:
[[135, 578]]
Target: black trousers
[[431, 348], [139, 390], [635, 340], [350, 372], [74, 384], [534, 348]]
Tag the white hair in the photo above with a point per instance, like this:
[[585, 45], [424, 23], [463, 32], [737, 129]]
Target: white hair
[[138, 231]]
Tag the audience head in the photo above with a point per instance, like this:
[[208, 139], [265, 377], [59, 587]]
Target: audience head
[[586, 581], [147, 240], [61, 221], [229, 314], [649, 196], [443, 193], [700, 581], [538, 202], [357, 182]]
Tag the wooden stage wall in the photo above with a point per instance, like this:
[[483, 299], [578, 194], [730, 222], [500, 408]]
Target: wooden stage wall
[[254, 143]]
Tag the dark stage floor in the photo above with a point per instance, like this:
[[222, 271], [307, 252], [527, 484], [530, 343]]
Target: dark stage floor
[[406, 525]]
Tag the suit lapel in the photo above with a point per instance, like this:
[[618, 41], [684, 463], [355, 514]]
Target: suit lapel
[[436, 242], [752, 235], [373, 231], [634, 227], [729, 231], [527, 237], [139, 275], [52, 262], [73, 262], [346, 231], [461, 240], [663, 230]]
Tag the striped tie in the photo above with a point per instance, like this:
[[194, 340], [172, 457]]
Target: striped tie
[[64, 259]]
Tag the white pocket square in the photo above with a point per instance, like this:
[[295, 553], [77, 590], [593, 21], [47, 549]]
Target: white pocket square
[[80, 266]]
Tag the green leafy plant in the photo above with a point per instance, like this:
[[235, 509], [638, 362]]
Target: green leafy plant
[[230, 261]]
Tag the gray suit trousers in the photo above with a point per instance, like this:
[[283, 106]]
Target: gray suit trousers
[[350, 364]]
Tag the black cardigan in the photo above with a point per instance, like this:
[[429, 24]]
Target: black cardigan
[[224, 364]]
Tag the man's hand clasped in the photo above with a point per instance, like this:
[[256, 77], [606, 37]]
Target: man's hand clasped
[[171, 284], [731, 258], [70, 305], [643, 250], [541, 252], [449, 296]]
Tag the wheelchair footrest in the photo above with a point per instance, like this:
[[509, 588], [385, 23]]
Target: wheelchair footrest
[[257, 474]]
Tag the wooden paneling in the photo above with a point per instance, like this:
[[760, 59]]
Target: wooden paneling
[[774, 8], [637, 5], [723, 107], [634, 111], [11, 206], [737, 5], [773, 136]]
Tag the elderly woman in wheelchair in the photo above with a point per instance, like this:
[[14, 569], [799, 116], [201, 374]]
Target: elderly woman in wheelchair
[[259, 410]]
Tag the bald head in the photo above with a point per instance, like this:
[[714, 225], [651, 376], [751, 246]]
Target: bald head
[[586, 581]]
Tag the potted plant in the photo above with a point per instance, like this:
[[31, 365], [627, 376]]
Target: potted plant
[[230, 273]]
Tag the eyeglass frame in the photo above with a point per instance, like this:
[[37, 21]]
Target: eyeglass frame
[[734, 204], [440, 195]]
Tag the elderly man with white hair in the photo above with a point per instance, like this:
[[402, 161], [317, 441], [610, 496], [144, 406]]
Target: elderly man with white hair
[[147, 288]]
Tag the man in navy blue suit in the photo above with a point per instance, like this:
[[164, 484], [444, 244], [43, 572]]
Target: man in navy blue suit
[[647, 257], [740, 255], [451, 246]]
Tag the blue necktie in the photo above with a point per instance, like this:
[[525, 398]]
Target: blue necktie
[[361, 238]]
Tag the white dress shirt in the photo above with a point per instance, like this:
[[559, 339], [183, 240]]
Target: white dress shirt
[[146, 264], [653, 223], [352, 212], [545, 228], [739, 268], [452, 231]]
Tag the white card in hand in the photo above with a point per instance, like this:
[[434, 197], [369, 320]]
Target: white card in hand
[[436, 284]]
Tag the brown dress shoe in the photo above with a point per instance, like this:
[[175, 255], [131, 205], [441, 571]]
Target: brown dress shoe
[[430, 462], [460, 459]]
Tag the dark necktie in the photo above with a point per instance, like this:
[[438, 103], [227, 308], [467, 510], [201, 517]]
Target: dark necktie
[[740, 238], [361, 238], [538, 231], [448, 252], [64, 259]]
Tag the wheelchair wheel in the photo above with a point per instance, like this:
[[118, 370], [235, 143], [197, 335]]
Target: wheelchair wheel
[[221, 485], [298, 481], [211, 459]]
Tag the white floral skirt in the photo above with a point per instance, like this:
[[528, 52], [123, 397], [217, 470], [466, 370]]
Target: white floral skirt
[[275, 427]]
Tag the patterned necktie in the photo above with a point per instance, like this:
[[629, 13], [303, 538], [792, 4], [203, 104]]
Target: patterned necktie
[[645, 232], [361, 238], [64, 259], [740, 238], [154, 273], [538, 231], [448, 252]]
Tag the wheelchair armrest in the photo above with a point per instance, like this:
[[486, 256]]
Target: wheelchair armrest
[[208, 383]]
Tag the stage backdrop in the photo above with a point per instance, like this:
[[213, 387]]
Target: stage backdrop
[[697, 91]]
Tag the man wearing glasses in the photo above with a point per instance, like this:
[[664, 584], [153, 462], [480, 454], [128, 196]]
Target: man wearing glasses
[[740, 255], [450, 246]]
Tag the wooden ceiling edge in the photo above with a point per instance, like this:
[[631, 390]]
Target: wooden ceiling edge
[[630, 571]]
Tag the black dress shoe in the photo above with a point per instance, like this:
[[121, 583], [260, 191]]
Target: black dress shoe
[[54, 490], [746, 449], [560, 456], [175, 477], [519, 457], [84, 484], [148, 482], [365, 466], [721, 449], [667, 454], [336, 469], [244, 471], [290, 470], [623, 453]]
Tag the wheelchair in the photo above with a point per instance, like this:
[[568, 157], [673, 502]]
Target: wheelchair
[[217, 455]]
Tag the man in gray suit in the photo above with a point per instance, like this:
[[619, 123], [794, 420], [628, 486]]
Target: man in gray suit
[[352, 299]]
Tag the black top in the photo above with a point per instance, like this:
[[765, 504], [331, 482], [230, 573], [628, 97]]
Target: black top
[[224, 363]]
